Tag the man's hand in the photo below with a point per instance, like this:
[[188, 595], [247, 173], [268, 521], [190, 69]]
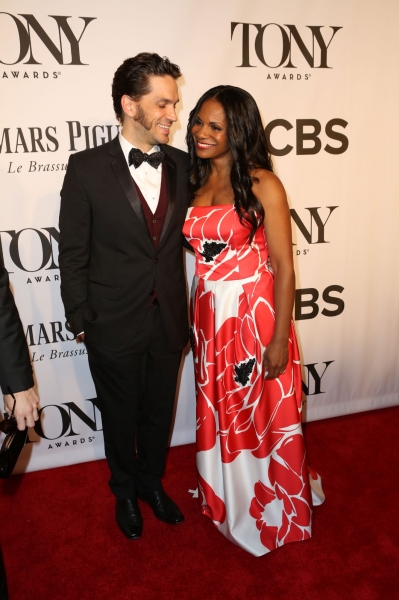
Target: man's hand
[[80, 338], [25, 407]]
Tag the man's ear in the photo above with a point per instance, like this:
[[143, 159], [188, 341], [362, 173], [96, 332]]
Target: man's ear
[[128, 105]]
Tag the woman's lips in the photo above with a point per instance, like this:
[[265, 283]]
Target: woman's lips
[[203, 146]]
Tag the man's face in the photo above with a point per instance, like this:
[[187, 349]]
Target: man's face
[[153, 115]]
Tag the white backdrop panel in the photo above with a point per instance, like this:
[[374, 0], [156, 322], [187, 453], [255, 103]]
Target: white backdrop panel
[[335, 89]]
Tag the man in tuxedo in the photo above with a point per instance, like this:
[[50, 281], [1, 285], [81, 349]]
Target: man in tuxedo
[[15, 373], [123, 205]]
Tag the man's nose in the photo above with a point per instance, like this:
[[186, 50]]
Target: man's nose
[[172, 114]]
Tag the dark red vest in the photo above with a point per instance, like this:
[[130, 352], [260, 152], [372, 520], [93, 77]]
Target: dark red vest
[[155, 220]]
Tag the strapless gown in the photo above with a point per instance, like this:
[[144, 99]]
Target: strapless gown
[[253, 478]]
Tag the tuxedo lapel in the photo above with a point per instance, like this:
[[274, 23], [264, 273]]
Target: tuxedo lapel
[[171, 179], [125, 179]]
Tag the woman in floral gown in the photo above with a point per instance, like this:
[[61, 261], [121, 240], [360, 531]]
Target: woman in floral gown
[[254, 482]]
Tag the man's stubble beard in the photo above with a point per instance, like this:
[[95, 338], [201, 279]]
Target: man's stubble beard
[[142, 119]]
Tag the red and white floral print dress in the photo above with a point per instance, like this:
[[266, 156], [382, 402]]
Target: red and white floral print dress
[[253, 478]]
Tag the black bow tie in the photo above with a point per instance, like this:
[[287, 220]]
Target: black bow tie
[[136, 157]]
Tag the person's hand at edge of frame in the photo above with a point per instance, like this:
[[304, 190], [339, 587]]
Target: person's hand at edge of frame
[[26, 407]]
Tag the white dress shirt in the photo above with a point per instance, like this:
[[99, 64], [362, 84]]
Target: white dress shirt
[[147, 178]]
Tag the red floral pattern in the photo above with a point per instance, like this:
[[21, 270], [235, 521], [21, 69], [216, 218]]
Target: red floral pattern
[[290, 492], [240, 414], [212, 505]]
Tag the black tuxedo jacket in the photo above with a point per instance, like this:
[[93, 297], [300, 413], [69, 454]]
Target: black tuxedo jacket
[[109, 265], [15, 365]]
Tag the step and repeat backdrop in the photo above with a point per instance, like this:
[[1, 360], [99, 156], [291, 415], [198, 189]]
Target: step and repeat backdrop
[[324, 75]]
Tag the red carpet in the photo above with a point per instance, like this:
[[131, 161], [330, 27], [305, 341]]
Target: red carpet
[[60, 540]]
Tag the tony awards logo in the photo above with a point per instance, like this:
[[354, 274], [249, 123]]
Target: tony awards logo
[[275, 45], [23, 39]]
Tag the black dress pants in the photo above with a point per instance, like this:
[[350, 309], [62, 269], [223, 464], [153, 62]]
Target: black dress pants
[[136, 389]]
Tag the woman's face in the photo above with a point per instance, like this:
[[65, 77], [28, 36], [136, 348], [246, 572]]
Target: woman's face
[[210, 131]]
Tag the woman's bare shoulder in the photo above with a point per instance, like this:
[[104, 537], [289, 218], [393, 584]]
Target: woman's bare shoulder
[[267, 186]]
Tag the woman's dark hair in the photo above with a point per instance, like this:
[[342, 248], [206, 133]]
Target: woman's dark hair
[[132, 77], [248, 145]]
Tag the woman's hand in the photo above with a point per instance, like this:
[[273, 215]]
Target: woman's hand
[[275, 359]]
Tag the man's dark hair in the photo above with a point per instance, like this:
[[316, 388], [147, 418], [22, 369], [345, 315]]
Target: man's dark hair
[[132, 77]]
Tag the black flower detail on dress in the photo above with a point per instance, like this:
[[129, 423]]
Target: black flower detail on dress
[[243, 371], [211, 250], [192, 339]]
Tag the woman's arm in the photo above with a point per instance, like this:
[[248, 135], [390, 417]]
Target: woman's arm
[[270, 192]]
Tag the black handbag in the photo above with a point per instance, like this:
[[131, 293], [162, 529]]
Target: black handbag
[[13, 443]]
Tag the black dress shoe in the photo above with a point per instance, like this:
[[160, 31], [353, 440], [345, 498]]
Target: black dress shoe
[[163, 507], [128, 518]]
